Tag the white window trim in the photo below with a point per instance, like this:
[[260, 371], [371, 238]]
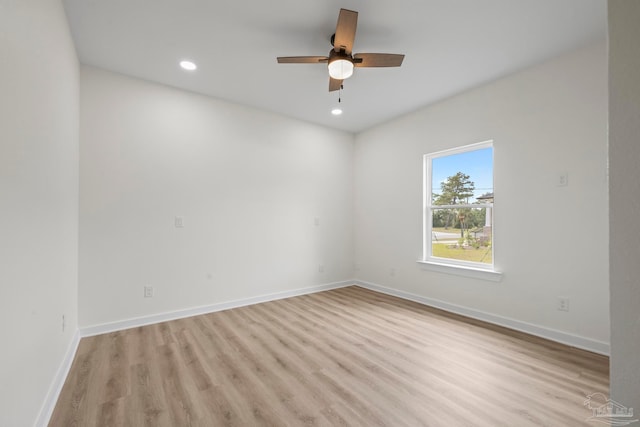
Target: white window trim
[[446, 265], [462, 270]]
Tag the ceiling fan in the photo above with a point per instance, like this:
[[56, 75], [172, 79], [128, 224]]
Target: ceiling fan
[[341, 61]]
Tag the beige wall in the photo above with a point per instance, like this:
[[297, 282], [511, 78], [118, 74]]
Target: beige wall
[[550, 241], [624, 202], [38, 204], [249, 184]]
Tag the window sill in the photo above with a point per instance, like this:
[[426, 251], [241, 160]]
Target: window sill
[[460, 270]]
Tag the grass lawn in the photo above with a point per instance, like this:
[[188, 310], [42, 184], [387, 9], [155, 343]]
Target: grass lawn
[[482, 254]]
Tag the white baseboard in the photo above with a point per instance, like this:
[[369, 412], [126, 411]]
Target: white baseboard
[[551, 334], [540, 331], [578, 341], [180, 314], [56, 386]]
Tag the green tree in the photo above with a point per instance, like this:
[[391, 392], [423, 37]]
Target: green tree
[[455, 190]]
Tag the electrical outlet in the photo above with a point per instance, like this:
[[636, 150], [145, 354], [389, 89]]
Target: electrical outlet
[[563, 303], [321, 269], [392, 272], [178, 222], [148, 291]]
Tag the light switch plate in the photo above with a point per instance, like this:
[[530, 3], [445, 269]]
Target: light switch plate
[[562, 179]]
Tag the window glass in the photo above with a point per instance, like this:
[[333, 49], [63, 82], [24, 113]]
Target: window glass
[[459, 206]]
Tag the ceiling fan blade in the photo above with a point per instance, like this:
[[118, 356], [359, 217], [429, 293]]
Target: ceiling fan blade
[[334, 84], [302, 59], [345, 31], [377, 60]]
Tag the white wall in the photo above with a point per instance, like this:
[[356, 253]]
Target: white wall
[[249, 185], [549, 241], [39, 203], [624, 159]]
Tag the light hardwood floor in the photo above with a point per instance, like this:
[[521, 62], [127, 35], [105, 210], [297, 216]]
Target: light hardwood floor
[[343, 357]]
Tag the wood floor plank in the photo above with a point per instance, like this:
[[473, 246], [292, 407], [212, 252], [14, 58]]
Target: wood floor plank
[[346, 357], [280, 381], [374, 374], [146, 405], [353, 367]]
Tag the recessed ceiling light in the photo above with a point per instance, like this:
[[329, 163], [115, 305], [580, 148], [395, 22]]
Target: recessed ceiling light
[[188, 65], [336, 111]]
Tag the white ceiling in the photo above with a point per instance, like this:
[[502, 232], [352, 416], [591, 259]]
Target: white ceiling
[[450, 46]]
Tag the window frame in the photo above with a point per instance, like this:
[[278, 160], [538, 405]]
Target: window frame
[[429, 208]]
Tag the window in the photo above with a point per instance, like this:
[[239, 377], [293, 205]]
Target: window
[[458, 207]]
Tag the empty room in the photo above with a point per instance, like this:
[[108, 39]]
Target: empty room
[[351, 213]]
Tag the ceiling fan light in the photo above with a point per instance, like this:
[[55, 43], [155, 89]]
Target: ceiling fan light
[[340, 69]]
